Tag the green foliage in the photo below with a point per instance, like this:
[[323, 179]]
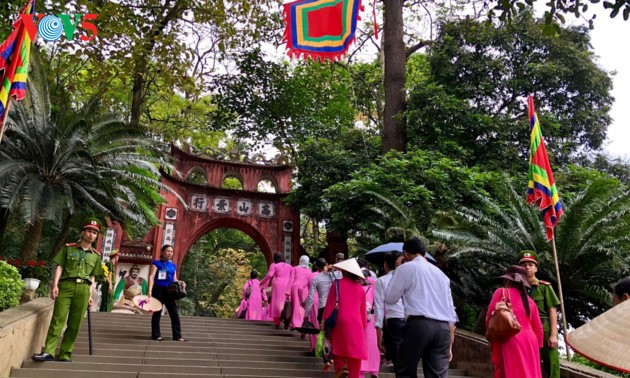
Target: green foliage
[[473, 105], [215, 270], [266, 100], [578, 359], [57, 163], [324, 162], [11, 286], [425, 180], [232, 183], [591, 238]]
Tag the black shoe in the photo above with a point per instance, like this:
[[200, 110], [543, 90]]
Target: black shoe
[[42, 357], [65, 360]]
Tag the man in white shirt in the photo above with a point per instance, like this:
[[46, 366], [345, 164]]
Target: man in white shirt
[[429, 313], [321, 283], [388, 320]]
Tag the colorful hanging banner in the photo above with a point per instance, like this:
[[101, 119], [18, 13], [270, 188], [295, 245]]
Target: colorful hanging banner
[[14, 57], [320, 29], [542, 189]]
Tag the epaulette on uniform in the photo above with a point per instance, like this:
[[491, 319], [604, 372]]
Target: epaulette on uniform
[[94, 250], [71, 244], [545, 282]]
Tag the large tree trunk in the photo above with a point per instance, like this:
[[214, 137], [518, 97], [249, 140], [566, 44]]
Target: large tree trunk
[[4, 220], [32, 239], [62, 236], [394, 135], [137, 92]]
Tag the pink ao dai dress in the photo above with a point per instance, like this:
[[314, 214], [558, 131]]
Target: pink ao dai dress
[[518, 357]]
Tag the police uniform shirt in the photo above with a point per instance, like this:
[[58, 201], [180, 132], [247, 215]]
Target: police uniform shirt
[[78, 263], [542, 293]]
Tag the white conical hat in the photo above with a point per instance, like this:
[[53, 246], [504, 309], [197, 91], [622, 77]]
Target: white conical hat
[[146, 304], [606, 339], [350, 266]]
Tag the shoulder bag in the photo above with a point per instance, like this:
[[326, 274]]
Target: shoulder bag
[[502, 324], [177, 290], [331, 321]]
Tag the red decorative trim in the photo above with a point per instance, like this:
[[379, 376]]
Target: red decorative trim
[[593, 359]]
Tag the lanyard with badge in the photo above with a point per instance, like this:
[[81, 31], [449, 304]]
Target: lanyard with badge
[[162, 272]]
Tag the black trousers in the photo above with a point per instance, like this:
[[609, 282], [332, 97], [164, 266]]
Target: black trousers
[[392, 338], [320, 314], [426, 339], [161, 293]]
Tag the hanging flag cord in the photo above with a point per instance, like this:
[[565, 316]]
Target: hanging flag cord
[[375, 23]]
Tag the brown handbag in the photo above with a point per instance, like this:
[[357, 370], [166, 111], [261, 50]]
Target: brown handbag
[[502, 324]]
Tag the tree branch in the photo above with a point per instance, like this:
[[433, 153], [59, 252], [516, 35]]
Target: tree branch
[[412, 49]]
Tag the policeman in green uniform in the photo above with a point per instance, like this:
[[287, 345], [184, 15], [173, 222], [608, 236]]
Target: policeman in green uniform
[[73, 282], [546, 300]]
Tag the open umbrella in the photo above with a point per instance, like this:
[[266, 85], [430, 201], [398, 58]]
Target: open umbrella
[[377, 255]]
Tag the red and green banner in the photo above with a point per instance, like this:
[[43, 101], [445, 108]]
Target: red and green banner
[[541, 186], [321, 29], [14, 56]]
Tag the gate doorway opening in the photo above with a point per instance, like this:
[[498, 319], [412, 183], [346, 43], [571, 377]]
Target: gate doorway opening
[[215, 269]]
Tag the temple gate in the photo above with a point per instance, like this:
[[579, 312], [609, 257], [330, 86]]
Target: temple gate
[[193, 210]]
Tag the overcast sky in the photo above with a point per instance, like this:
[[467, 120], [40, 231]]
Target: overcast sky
[[609, 43]]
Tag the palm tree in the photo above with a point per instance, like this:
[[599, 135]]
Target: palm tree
[[592, 238], [54, 166]]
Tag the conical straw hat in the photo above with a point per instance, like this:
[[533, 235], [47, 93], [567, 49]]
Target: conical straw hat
[[147, 305], [606, 339], [350, 266]]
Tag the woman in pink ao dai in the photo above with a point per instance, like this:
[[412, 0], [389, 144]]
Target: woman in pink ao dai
[[518, 357], [348, 335], [280, 276]]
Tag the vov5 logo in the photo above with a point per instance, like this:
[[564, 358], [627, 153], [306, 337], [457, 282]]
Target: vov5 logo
[[50, 27]]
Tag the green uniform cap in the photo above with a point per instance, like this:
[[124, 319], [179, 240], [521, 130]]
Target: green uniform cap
[[529, 256], [92, 223]]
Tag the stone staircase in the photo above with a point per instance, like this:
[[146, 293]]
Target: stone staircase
[[216, 348]]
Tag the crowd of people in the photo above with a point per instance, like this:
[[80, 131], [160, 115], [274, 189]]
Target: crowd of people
[[407, 317], [360, 321]]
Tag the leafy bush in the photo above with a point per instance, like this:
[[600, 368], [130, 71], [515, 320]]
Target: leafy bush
[[583, 361], [11, 286]]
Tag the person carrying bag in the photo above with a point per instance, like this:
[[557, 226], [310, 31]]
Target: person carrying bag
[[514, 328], [345, 315], [163, 274], [502, 324]]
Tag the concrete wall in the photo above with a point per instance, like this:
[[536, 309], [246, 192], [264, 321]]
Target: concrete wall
[[471, 352], [23, 332]]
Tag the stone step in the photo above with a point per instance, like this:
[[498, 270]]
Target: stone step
[[213, 361], [192, 355], [137, 339], [189, 347], [216, 348]]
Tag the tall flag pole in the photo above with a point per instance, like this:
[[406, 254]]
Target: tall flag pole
[[14, 56], [542, 191]]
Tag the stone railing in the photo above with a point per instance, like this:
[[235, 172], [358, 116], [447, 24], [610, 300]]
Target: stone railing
[[472, 353], [23, 332]]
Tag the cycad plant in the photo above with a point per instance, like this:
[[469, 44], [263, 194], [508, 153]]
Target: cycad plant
[[53, 166], [592, 240]]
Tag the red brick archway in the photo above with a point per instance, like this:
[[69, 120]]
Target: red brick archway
[[200, 209]]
